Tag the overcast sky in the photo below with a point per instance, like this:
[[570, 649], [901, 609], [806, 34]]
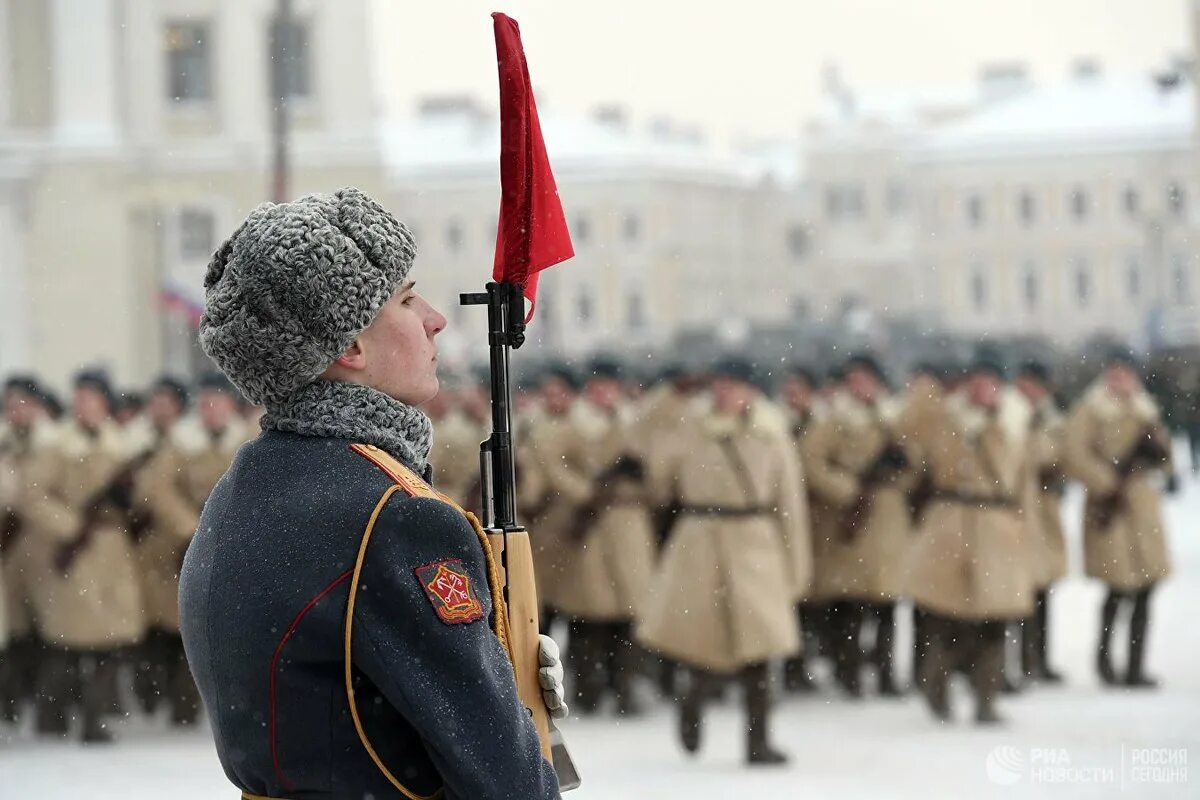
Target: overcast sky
[[754, 69]]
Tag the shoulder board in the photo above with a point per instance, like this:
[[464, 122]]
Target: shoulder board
[[408, 481]]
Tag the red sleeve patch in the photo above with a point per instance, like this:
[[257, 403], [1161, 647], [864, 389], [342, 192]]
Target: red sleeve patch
[[449, 590]]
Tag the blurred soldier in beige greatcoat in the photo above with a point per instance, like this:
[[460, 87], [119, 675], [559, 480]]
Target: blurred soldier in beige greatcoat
[[1119, 449], [172, 496], [859, 475], [153, 437], [738, 556], [798, 397], [614, 554], [558, 458], [1048, 549], [27, 429], [78, 497], [969, 566]]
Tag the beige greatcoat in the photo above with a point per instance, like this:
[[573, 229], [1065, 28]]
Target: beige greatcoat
[[1131, 552], [558, 465], [98, 603], [725, 592], [970, 559], [171, 490], [455, 458], [1048, 549], [868, 563], [610, 571]]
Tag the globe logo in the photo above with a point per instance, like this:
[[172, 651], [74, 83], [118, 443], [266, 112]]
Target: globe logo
[[1005, 765]]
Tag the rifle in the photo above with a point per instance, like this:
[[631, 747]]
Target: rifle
[[497, 466], [10, 528], [117, 492], [624, 468], [1148, 453], [888, 463]]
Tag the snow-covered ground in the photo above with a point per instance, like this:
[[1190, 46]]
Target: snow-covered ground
[[1075, 741]]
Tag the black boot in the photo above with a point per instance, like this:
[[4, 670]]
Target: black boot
[[1008, 684], [987, 666], [624, 664], [585, 649], [1108, 618], [846, 624], [797, 677], [882, 655], [758, 709], [1139, 621], [1045, 672], [691, 709], [935, 665]]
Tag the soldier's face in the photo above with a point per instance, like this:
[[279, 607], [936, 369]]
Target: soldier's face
[[1122, 381], [983, 389], [1033, 390], [558, 395], [604, 392], [399, 349], [797, 393], [731, 396], [20, 409], [863, 384], [216, 409], [90, 407], [163, 409]]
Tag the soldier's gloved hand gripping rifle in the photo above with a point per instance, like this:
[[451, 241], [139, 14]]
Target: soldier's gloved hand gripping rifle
[[532, 235]]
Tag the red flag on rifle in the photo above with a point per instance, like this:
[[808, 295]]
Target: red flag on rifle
[[532, 233]]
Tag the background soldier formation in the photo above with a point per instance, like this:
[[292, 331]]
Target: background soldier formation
[[691, 530], [99, 502]]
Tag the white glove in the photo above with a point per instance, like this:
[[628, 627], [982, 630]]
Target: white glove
[[550, 675]]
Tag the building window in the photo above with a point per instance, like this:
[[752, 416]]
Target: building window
[[1179, 279], [1083, 283], [1130, 202], [1080, 204], [189, 64], [631, 228], [1026, 209], [583, 306], [1133, 277], [979, 289], [897, 198], [581, 230], [1176, 199], [290, 61], [1030, 286], [454, 236], [856, 202], [975, 210], [833, 202], [635, 311], [797, 241], [197, 234]]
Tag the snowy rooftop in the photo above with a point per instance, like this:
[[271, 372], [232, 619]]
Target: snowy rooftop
[[460, 140], [1084, 114]]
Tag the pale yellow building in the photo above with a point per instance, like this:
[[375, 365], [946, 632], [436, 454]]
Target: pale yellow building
[[1062, 211], [134, 134]]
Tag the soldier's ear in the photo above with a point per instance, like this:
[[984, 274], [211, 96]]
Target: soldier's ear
[[355, 357]]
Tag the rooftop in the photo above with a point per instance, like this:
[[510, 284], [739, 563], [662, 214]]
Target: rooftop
[[457, 138]]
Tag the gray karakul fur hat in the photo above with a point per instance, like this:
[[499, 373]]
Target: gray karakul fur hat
[[295, 285]]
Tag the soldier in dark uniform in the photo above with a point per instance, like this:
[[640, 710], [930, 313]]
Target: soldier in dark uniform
[[338, 614]]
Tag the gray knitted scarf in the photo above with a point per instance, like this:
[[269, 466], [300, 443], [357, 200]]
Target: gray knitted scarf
[[358, 413]]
